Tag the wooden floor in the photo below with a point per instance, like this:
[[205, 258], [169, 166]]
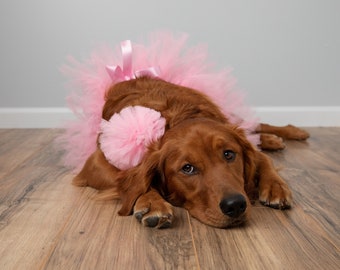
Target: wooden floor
[[46, 223]]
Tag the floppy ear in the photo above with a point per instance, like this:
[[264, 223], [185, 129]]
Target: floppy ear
[[249, 159], [136, 181]]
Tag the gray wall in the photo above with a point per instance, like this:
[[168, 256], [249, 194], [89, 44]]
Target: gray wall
[[284, 53]]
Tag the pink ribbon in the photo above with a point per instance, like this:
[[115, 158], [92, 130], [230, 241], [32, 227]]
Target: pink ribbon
[[126, 73]]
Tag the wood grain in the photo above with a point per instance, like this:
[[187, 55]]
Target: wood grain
[[46, 223]]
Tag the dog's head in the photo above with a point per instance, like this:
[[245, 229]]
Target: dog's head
[[202, 165]]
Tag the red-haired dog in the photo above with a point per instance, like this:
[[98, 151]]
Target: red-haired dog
[[203, 163]]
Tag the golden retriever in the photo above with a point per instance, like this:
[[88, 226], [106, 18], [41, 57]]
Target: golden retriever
[[203, 163]]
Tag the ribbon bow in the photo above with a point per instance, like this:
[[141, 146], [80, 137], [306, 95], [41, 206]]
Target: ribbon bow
[[126, 73]]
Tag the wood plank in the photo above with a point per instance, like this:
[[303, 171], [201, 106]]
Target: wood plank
[[97, 238], [35, 198], [317, 193], [320, 151], [46, 223], [29, 226], [272, 240], [27, 164], [17, 145]]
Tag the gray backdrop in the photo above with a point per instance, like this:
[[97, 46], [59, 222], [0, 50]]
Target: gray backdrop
[[284, 53]]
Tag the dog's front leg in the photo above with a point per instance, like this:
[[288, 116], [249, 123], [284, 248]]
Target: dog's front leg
[[273, 190], [153, 211]]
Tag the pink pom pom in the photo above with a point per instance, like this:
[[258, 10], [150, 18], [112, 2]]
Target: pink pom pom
[[125, 137]]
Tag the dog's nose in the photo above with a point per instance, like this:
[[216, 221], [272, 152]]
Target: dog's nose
[[233, 205]]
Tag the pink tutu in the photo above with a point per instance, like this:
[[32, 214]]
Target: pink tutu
[[177, 64]]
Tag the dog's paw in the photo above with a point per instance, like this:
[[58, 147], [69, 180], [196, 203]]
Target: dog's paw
[[276, 195], [271, 142], [157, 213]]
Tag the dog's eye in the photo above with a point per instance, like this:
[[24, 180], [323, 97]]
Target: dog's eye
[[189, 169], [229, 155]]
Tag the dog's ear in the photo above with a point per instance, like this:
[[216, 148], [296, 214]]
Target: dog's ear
[[136, 181], [249, 160]]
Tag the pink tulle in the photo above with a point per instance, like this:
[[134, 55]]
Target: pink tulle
[[178, 64], [125, 137]]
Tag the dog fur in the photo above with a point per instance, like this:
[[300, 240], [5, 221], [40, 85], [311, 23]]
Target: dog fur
[[203, 163]]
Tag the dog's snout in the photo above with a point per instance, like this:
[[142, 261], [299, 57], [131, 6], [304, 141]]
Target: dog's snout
[[233, 205]]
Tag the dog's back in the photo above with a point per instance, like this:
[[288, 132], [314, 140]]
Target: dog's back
[[175, 103]]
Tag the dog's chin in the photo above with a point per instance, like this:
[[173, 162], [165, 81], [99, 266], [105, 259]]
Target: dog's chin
[[222, 221], [237, 222]]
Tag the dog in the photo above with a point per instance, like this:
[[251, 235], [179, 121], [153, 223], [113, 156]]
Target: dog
[[202, 163]]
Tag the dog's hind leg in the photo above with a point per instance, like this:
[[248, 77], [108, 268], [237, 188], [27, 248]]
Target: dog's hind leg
[[288, 132], [97, 173]]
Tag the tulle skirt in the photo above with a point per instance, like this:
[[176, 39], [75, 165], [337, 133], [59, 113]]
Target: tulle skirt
[[178, 64]]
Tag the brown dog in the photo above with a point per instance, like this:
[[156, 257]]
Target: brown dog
[[202, 163]]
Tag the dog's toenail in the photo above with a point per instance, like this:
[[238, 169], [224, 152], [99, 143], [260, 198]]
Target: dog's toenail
[[139, 216], [151, 221], [275, 206], [165, 225]]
